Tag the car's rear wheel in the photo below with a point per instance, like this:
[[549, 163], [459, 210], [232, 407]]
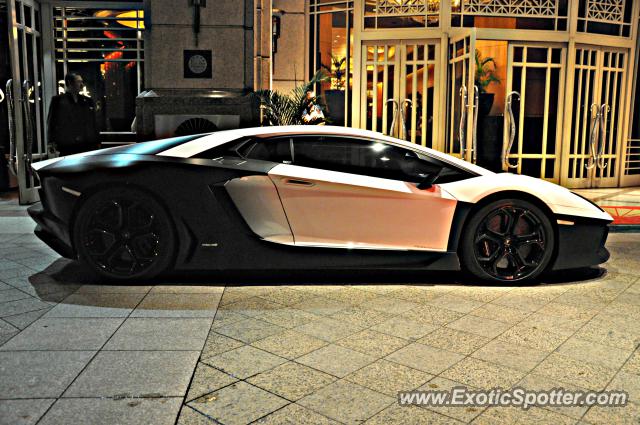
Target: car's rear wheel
[[124, 234], [507, 241]]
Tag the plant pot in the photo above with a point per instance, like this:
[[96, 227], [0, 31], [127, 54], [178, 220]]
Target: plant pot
[[335, 106], [485, 102]]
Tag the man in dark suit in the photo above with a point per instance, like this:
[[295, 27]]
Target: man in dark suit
[[72, 120]]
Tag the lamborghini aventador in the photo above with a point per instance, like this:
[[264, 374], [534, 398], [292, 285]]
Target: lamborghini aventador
[[307, 197]]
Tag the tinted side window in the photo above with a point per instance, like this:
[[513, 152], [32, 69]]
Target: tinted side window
[[362, 157], [274, 150]]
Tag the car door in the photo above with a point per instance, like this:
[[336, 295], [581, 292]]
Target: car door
[[357, 193]]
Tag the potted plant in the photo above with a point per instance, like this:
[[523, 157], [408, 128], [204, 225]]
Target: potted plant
[[485, 75], [335, 95]]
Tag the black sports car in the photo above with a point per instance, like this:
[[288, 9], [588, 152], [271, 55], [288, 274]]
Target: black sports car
[[307, 198]]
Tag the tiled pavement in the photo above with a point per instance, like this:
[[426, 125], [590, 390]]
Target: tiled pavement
[[74, 350]]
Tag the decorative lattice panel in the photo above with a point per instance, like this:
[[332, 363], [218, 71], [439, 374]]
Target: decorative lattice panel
[[609, 11], [523, 8], [406, 7]]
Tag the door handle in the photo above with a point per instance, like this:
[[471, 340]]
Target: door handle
[[299, 182], [512, 132], [600, 161], [28, 121], [595, 124], [403, 115], [463, 121], [12, 128], [396, 109], [474, 146]]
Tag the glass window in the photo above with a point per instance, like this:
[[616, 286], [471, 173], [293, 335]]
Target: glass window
[[363, 157], [331, 50], [274, 150], [106, 47]]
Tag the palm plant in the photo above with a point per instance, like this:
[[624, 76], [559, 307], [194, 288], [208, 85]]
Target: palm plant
[[287, 109], [485, 74], [337, 71]]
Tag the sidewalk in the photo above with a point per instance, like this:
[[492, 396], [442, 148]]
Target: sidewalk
[[622, 203]]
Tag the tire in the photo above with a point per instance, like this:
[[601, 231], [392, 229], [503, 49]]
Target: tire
[[507, 241], [124, 234]]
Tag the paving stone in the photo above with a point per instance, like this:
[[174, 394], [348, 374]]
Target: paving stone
[[482, 374], [207, 379], [409, 415], [362, 317], [288, 317], [12, 308], [290, 344], [217, 344], [568, 311], [346, 402], [591, 352], [465, 414], [23, 412], [39, 374], [249, 330], [160, 334], [96, 305], [322, 306], [388, 377], [177, 305], [64, 334], [187, 289], [157, 411], [6, 336], [532, 337], [386, 304], [428, 314], [555, 324], [510, 355], [520, 302], [516, 415], [418, 294], [536, 382], [452, 302], [238, 403], [633, 363], [293, 414], [21, 321], [403, 327], [12, 295], [369, 342], [114, 289], [135, 374], [480, 326], [189, 416], [627, 382], [336, 360], [627, 415], [454, 340], [609, 334], [422, 357], [566, 369], [351, 295], [285, 296], [251, 306], [291, 381], [225, 317], [500, 313], [328, 329], [244, 361]]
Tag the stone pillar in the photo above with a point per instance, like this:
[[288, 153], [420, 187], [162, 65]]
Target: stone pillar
[[289, 62], [213, 93]]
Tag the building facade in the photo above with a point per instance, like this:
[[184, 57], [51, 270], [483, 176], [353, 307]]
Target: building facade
[[540, 87]]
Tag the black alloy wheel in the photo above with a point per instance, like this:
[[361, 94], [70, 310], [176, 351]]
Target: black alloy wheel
[[508, 241], [124, 234]]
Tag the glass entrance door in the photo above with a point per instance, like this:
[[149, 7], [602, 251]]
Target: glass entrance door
[[533, 110], [25, 94], [591, 157], [398, 94]]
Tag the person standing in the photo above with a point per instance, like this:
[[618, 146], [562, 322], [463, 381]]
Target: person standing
[[72, 120]]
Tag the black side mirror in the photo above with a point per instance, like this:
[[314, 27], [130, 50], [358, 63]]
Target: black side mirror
[[428, 181]]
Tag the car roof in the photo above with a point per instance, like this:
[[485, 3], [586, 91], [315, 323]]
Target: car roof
[[201, 144]]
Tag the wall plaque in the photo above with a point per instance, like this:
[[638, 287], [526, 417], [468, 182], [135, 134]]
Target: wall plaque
[[197, 64]]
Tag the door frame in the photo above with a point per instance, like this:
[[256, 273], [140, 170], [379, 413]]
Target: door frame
[[548, 65], [400, 81], [591, 181]]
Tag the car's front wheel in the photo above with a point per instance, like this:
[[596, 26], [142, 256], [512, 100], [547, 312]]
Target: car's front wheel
[[124, 234], [507, 241]]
